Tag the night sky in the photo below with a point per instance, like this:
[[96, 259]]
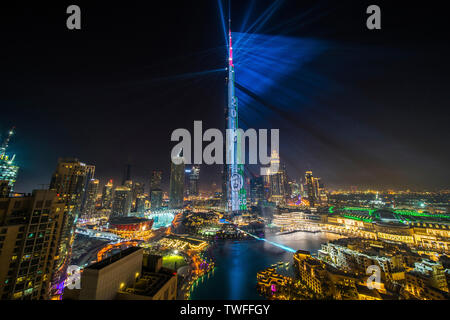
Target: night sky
[[364, 108]]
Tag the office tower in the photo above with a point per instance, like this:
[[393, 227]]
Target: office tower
[[90, 171], [156, 199], [126, 174], [136, 191], [8, 167], [68, 181], [236, 194], [256, 190], [176, 188], [121, 204], [107, 195], [91, 198], [140, 205], [156, 194], [194, 176], [277, 180], [321, 192], [310, 188], [155, 182], [30, 229]]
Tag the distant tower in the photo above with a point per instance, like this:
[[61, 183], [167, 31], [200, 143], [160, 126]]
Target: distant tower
[[90, 172], [91, 198], [311, 188], [155, 190], [234, 175], [121, 204], [8, 168], [194, 177], [176, 189], [107, 195]]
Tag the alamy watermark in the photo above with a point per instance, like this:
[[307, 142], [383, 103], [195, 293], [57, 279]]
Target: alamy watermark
[[374, 281], [213, 153]]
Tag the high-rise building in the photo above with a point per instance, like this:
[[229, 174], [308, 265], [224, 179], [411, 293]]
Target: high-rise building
[[176, 188], [8, 167], [156, 199], [256, 190], [68, 181], [91, 198], [140, 205], [234, 175], [121, 204], [310, 188], [194, 177], [156, 194], [277, 180], [136, 191], [107, 195], [30, 229], [90, 171], [155, 182], [315, 190]]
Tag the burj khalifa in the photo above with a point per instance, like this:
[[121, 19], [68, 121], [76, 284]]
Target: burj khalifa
[[235, 190]]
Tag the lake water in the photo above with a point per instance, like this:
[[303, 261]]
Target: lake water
[[237, 263]]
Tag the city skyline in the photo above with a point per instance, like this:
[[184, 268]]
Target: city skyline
[[382, 126], [225, 151]]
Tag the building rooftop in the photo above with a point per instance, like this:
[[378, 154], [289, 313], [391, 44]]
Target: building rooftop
[[110, 260]]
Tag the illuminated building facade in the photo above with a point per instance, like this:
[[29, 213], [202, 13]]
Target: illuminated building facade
[[256, 190], [30, 229], [194, 177], [156, 194], [121, 204], [107, 195], [68, 181], [90, 172], [234, 174], [176, 188], [8, 166], [91, 198]]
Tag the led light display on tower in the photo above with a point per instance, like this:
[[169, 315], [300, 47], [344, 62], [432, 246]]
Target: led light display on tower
[[236, 194]]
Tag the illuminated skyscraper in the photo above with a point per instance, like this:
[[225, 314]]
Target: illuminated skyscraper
[[91, 198], [121, 204], [136, 191], [315, 190], [68, 181], [156, 194], [234, 175], [277, 180], [176, 188], [310, 188], [256, 190], [155, 182], [90, 171], [30, 229], [107, 195], [194, 177], [8, 167]]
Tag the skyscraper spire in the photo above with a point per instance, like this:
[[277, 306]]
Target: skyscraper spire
[[5, 142], [235, 191]]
